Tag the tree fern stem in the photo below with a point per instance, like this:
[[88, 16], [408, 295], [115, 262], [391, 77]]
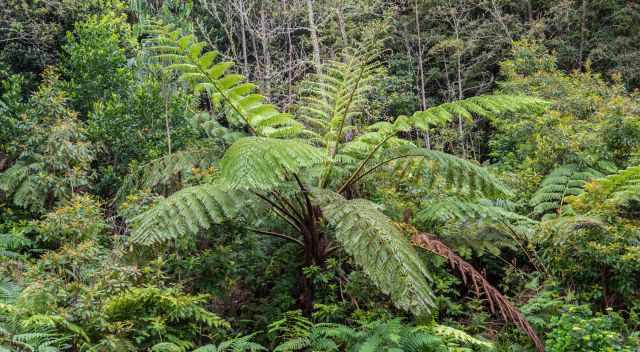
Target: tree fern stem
[[276, 234], [378, 165], [283, 213], [363, 163], [287, 205]]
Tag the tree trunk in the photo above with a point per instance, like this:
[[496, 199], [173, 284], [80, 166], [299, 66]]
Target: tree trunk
[[243, 39], [266, 53], [583, 27], [420, 72], [314, 36]]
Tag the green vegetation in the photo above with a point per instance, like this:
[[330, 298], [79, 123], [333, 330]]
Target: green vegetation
[[193, 176]]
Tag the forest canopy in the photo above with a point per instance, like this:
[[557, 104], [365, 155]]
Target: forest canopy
[[326, 175]]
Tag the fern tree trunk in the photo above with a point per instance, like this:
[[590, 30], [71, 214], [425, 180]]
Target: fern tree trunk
[[315, 253]]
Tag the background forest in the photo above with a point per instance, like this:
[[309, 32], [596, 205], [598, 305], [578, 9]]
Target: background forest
[[327, 175]]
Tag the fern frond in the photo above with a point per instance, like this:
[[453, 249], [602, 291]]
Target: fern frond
[[335, 98], [460, 337], [619, 191], [432, 167], [186, 212], [380, 249], [9, 291], [566, 180], [261, 163], [457, 208], [295, 344], [484, 105], [227, 91], [163, 170], [166, 347], [471, 276]]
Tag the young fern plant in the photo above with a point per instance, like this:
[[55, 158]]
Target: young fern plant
[[306, 171]]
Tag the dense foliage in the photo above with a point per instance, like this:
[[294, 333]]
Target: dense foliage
[[319, 175]]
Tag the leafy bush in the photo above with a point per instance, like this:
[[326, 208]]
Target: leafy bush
[[579, 330], [76, 220]]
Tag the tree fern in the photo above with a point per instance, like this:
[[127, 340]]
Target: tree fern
[[184, 55], [381, 250], [564, 181], [278, 171]]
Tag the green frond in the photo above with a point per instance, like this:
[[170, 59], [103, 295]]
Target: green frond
[[485, 106], [237, 344], [261, 163], [335, 98], [620, 190], [432, 167], [455, 208], [295, 344], [186, 212], [166, 347], [9, 291], [228, 92], [381, 250], [460, 337], [174, 304], [163, 170], [566, 180]]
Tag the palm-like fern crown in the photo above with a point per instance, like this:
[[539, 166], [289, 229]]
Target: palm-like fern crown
[[337, 153]]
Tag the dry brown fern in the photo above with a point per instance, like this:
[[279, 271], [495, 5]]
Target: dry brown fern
[[471, 276]]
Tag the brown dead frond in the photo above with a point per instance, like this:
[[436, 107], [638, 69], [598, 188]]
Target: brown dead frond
[[472, 277]]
